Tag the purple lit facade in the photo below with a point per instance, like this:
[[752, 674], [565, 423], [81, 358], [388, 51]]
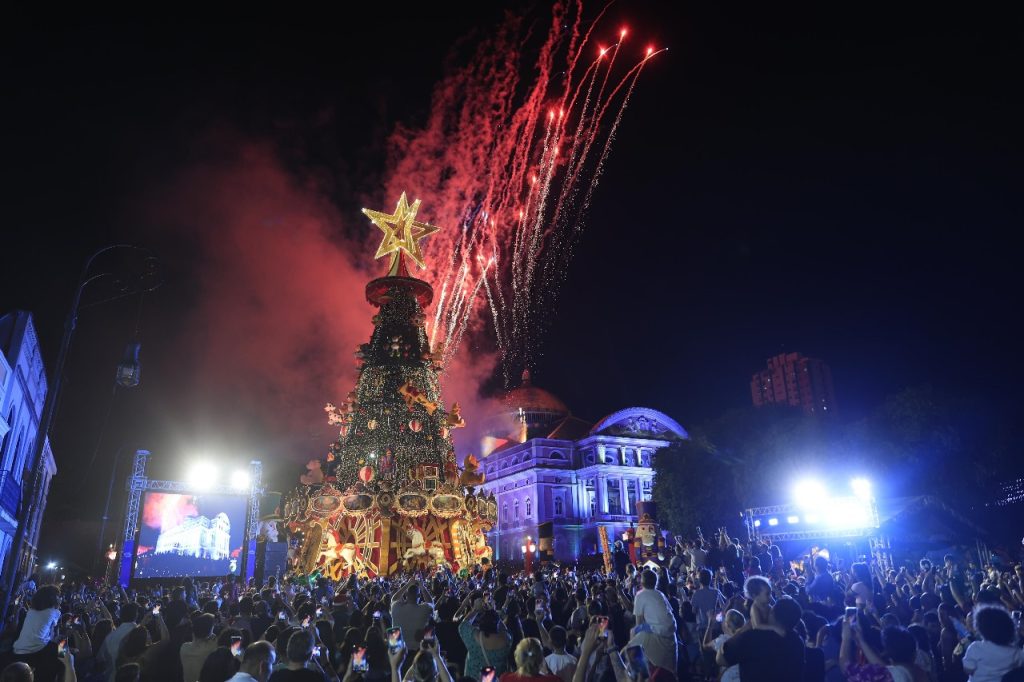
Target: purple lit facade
[[22, 393], [555, 467]]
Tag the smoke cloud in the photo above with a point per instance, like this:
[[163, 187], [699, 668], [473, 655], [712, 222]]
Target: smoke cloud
[[279, 305]]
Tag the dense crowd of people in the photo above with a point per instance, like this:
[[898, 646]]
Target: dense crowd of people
[[717, 610]]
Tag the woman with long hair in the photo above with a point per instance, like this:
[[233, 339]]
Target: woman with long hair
[[529, 657], [134, 646], [487, 641], [37, 644], [376, 655]]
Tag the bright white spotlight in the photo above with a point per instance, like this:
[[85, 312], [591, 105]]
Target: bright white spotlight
[[811, 518], [52, 565], [861, 488], [240, 480], [792, 519], [202, 475], [773, 522], [810, 494], [757, 523]]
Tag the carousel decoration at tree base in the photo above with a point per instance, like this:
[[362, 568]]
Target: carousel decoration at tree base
[[390, 496]]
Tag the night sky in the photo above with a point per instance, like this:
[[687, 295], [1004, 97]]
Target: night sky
[[842, 182]]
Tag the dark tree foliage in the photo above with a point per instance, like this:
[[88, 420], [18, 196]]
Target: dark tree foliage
[[918, 441]]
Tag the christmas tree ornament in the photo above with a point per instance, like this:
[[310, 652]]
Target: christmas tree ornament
[[415, 425], [414, 396], [372, 424], [454, 418], [366, 474]]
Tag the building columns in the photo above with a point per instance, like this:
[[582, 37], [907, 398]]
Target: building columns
[[602, 495]]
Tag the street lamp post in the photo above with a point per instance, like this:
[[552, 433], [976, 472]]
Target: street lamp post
[[53, 396], [529, 547], [106, 506]]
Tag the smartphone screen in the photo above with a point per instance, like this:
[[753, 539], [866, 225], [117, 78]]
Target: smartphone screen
[[376, 615], [395, 639], [359, 662], [539, 605], [428, 633], [305, 622], [602, 626], [62, 647], [282, 616], [156, 610], [319, 612], [236, 645], [487, 674]]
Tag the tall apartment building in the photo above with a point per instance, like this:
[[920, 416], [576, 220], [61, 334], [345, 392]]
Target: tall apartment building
[[791, 379]]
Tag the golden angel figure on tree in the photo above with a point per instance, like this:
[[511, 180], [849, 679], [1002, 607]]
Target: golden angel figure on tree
[[389, 500]]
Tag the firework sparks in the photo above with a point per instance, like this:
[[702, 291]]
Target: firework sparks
[[515, 165]]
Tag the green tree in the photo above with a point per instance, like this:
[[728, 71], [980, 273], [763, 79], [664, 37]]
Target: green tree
[[694, 487]]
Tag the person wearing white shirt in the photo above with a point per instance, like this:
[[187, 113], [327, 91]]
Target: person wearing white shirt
[[257, 662], [995, 655], [40, 622], [655, 627], [108, 653]]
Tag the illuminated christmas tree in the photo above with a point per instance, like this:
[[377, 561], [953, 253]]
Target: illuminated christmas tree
[[391, 495]]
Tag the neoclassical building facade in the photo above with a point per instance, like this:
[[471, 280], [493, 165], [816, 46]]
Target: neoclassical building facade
[[22, 393], [543, 464]]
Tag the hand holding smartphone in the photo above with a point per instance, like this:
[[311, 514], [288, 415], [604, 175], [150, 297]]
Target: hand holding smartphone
[[395, 642], [487, 674], [602, 627], [359, 662]]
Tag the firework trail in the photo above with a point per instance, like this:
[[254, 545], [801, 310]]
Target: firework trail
[[510, 166]]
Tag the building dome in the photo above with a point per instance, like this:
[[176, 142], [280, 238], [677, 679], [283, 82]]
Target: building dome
[[524, 412], [530, 398]]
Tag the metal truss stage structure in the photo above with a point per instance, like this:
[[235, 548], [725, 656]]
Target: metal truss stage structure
[[139, 483], [766, 522]]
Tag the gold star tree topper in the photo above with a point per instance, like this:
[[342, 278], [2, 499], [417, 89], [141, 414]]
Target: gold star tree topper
[[402, 233]]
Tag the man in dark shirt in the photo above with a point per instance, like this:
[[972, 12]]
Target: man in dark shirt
[[501, 593], [300, 653], [773, 654], [822, 585]]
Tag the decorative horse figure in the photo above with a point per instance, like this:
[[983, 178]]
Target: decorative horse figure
[[422, 552]]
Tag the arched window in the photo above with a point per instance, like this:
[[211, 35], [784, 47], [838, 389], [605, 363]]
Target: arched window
[[556, 455], [515, 510], [559, 507], [529, 505], [7, 446], [504, 512]]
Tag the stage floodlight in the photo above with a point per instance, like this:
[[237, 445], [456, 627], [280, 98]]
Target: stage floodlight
[[773, 522], [810, 518], [848, 512], [861, 488], [810, 494], [757, 523], [240, 480], [202, 475], [792, 519], [52, 565]]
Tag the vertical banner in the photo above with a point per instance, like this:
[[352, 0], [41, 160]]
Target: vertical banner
[[602, 532]]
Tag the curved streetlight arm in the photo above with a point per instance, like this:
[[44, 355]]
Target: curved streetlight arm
[[49, 407]]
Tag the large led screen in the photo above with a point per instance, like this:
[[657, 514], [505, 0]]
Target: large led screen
[[195, 535]]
